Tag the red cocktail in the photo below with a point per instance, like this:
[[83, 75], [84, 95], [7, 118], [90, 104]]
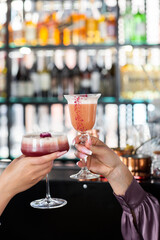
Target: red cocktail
[[39, 144], [34, 145]]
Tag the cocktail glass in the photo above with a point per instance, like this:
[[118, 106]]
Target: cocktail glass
[[82, 109], [39, 144]]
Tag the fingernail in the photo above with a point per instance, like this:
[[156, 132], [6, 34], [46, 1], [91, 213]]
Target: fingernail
[[87, 151], [61, 153]]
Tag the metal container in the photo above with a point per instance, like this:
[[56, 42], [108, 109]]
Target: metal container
[[139, 165], [122, 151]]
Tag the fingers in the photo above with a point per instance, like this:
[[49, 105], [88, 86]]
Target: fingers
[[45, 170], [46, 158], [39, 167], [41, 171], [83, 149], [80, 164], [80, 155]]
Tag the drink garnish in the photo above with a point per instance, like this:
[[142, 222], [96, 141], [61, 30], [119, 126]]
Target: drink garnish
[[45, 134]]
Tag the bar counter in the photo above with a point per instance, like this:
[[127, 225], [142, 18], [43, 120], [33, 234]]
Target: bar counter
[[91, 211]]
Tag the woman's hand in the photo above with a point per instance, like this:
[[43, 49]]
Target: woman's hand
[[102, 160], [22, 173]]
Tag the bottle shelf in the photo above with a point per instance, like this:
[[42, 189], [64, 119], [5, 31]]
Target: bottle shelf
[[133, 101], [79, 47], [36, 100], [43, 100], [146, 45], [54, 100], [3, 100]]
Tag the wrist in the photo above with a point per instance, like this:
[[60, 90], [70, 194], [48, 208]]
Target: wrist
[[120, 178]]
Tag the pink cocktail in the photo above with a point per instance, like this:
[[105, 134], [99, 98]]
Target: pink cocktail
[[35, 145], [39, 144], [82, 109], [82, 116]]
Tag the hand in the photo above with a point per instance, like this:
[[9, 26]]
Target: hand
[[102, 160], [24, 172]]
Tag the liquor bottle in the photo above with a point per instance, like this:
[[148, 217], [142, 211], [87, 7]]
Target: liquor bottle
[[3, 72], [35, 78], [92, 31], [54, 79], [102, 23], [67, 81], [106, 83], [56, 16], [67, 21], [16, 27], [82, 22], [45, 78], [53, 31], [128, 72], [76, 76], [59, 64], [112, 72], [29, 87], [2, 34], [128, 22], [42, 29], [30, 28], [76, 23], [20, 80], [85, 84], [111, 25], [107, 67], [95, 78], [139, 27], [3, 14]]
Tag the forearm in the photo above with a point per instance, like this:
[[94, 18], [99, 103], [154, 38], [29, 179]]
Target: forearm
[[3, 203], [5, 195], [120, 179]]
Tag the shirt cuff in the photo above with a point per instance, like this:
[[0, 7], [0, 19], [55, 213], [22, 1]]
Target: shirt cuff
[[133, 197]]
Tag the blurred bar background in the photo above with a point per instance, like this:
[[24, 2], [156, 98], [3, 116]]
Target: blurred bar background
[[51, 48]]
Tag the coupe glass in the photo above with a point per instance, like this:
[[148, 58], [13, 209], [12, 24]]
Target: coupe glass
[[39, 144], [82, 109]]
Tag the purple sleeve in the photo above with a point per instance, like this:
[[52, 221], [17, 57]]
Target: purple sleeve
[[141, 214]]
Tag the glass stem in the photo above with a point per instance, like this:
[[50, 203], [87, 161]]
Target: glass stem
[[48, 196], [84, 168]]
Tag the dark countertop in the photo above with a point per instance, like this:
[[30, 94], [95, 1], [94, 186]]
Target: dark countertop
[[92, 209]]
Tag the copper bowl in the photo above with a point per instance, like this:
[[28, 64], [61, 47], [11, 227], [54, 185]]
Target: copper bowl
[[122, 151], [139, 165]]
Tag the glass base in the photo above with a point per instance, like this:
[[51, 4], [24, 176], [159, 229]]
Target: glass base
[[84, 174], [49, 203]]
